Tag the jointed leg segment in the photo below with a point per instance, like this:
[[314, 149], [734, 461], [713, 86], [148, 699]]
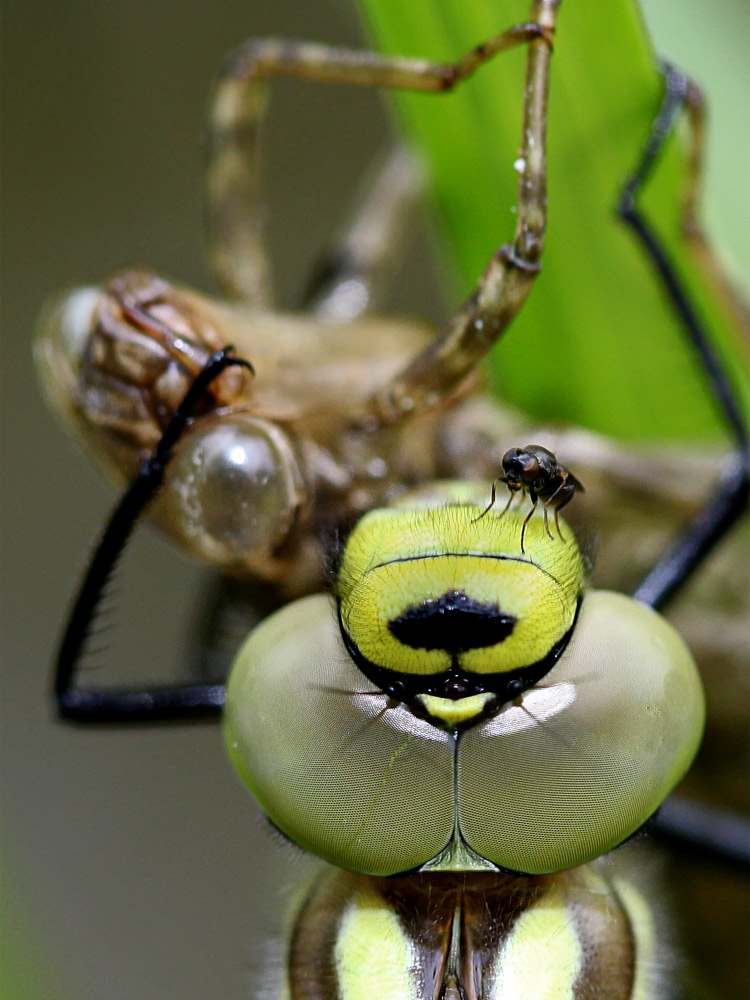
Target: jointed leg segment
[[117, 704], [730, 499], [234, 222], [507, 279]]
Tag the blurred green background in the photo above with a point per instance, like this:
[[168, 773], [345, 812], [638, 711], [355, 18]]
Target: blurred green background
[[134, 866]]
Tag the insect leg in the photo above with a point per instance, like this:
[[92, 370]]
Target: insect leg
[[534, 502], [546, 522], [549, 502], [507, 506], [347, 281], [557, 524], [502, 289], [234, 218], [99, 705], [729, 500], [491, 504]]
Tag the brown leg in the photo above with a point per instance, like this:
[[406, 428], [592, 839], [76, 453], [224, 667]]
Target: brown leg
[[546, 521], [695, 110], [491, 504], [507, 279], [548, 504], [233, 215]]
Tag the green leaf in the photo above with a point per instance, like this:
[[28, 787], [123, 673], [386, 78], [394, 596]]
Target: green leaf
[[596, 343]]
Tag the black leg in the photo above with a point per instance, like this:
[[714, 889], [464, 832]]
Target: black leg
[[703, 829], [102, 705], [730, 498], [226, 611]]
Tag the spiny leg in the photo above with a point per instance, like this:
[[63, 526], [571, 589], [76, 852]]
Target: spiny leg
[[701, 828], [100, 705], [234, 217], [507, 279], [729, 501], [695, 110], [348, 280]]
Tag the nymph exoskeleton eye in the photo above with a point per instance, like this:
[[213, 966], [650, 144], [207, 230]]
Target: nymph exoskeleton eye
[[565, 772], [233, 490]]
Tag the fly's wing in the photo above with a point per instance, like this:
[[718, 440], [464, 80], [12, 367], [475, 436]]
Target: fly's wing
[[575, 481]]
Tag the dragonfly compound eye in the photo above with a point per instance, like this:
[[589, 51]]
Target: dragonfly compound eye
[[552, 777]]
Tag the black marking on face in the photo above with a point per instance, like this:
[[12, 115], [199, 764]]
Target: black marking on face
[[455, 682], [454, 622]]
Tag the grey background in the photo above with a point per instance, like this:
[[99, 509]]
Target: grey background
[[134, 865]]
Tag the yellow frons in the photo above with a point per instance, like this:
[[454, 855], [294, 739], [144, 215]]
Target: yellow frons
[[395, 559]]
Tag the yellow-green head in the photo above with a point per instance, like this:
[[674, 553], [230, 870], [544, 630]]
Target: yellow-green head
[[444, 602], [460, 702]]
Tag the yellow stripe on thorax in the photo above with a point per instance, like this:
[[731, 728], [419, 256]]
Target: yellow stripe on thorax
[[642, 925], [541, 958], [373, 955]]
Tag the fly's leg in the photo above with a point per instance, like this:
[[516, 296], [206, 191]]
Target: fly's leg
[[559, 495], [347, 281], [99, 705], [729, 500], [493, 498], [491, 504], [234, 216], [534, 501]]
